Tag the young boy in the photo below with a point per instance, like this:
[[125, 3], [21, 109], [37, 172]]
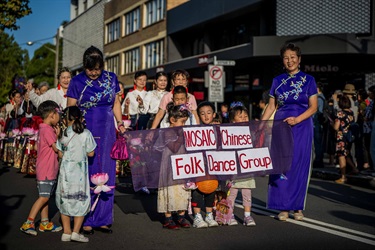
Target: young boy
[[46, 169], [179, 78], [206, 112]]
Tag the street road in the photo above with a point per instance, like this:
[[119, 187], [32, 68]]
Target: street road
[[336, 217]]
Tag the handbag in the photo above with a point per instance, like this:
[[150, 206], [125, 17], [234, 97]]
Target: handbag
[[119, 150]]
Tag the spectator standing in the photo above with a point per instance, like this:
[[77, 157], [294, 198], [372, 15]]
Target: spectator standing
[[47, 168]]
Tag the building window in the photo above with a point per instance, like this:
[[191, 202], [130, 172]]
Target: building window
[[113, 64], [132, 21], [154, 54], [155, 11], [113, 30], [84, 5], [131, 58]]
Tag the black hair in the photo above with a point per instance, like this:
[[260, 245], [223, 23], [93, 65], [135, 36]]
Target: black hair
[[236, 108], [344, 102], [159, 74], [92, 58], [177, 111], [73, 113], [48, 107], [180, 90], [206, 103], [140, 73], [178, 72], [292, 47]]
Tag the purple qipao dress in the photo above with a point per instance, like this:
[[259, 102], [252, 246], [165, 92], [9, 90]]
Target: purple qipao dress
[[95, 98], [292, 93]]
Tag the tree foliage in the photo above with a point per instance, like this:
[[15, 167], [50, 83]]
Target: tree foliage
[[11, 11], [12, 59], [42, 65]]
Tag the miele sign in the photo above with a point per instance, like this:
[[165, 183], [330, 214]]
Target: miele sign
[[321, 68]]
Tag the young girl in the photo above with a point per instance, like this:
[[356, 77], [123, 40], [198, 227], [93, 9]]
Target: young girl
[[73, 188], [179, 97], [153, 98], [133, 104], [179, 78], [239, 113], [206, 112], [343, 118], [173, 198]]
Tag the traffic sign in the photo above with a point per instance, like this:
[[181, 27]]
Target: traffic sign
[[216, 83], [225, 62]]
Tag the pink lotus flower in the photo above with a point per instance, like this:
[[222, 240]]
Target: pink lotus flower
[[28, 131], [127, 123], [136, 141], [100, 180], [16, 131]]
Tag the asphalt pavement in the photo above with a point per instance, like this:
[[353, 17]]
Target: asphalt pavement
[[337, 217]]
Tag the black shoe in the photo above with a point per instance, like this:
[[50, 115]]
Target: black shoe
[[104, 230], [88, 232]]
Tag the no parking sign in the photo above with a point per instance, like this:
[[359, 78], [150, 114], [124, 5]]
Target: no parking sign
[[216, 82]]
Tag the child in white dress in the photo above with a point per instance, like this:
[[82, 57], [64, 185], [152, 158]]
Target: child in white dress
[[173, 198], [73, 187]]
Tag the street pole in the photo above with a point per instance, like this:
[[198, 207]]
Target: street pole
[[57, 57]]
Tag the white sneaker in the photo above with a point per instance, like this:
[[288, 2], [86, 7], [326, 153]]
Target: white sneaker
[[79, 237], [249, 221], [210, 220], [233, 222], [66, 237], [199, 222]]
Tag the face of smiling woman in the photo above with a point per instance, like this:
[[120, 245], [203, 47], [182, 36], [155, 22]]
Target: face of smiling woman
[[94, 73]]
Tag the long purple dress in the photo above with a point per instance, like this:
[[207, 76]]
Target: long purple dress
[[95, 98], [292, 93]]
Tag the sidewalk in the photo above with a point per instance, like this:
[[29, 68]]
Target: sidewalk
[[330, 172]]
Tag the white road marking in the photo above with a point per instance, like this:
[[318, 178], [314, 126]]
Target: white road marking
[[319, 225]]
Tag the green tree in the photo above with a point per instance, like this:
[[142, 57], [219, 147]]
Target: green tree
[[11, 11], [42, 65], [11, 61]]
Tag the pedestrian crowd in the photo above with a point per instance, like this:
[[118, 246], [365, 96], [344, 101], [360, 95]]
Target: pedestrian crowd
[[64, 137]]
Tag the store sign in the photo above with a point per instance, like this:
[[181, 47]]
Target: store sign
[[321, 68]]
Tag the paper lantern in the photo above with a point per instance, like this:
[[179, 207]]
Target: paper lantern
[[207, 186]]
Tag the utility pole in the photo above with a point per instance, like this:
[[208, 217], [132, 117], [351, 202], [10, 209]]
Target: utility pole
[[57, 56]]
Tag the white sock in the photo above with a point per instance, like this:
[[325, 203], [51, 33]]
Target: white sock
[[247, 214]]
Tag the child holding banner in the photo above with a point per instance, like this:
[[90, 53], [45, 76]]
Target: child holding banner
[[206, 112], [173, 198], [239, 113], [179, 78]]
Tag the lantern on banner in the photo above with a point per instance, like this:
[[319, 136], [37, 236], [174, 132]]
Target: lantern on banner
[[207, 186]]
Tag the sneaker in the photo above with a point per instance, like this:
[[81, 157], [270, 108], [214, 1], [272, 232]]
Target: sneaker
[[50, 227], [29, 228], [210, 220], [199, 222], [183, 222], [79, 237], [249, 221], [66, 237], [233, 222]]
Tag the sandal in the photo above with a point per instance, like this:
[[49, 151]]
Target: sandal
[[298, 216], [341, 181], [283, 216]]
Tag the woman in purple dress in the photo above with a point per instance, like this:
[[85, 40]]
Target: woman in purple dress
[[295, 95], [96, 92]]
